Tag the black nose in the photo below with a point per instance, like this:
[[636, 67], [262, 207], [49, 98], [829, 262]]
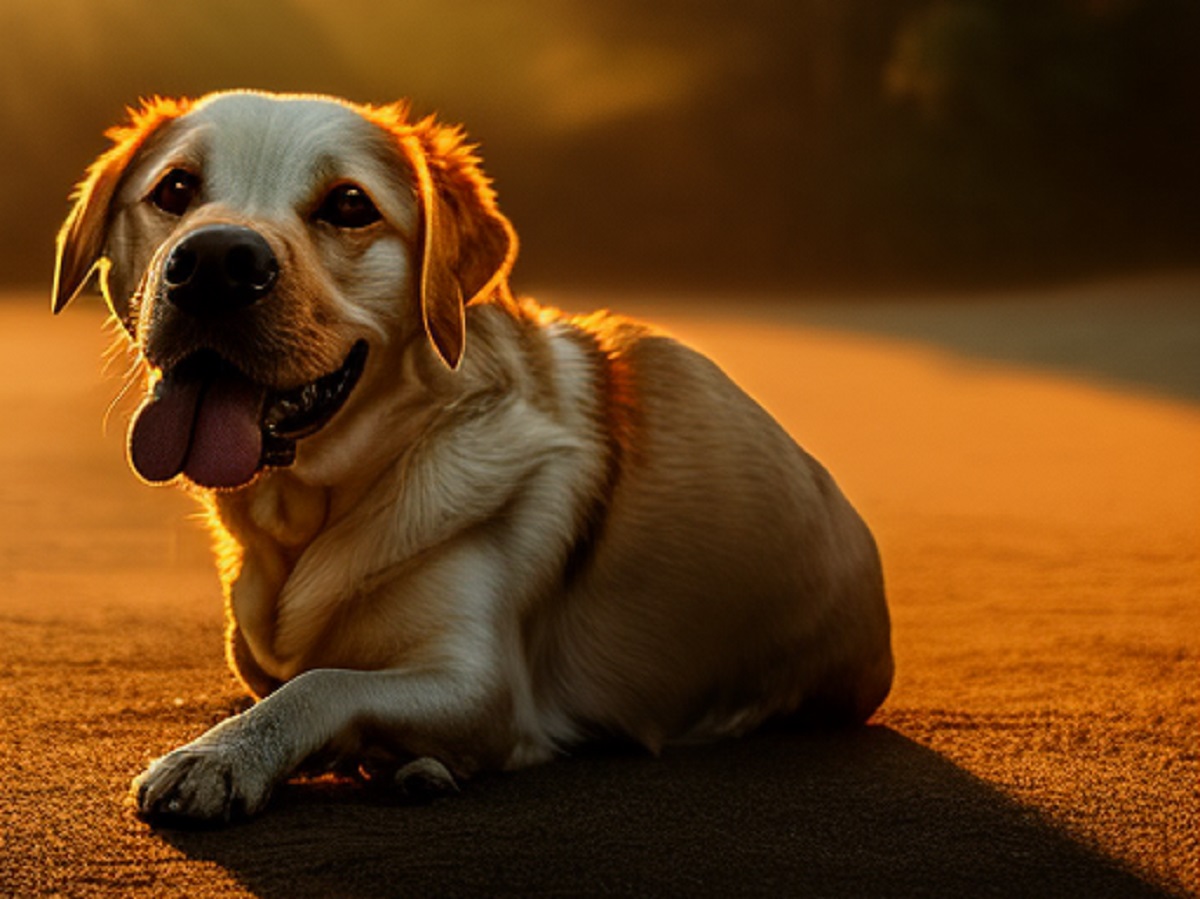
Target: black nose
[[219, 268]]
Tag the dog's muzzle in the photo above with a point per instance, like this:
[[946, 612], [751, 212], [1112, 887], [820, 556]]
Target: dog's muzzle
[[207, 419]]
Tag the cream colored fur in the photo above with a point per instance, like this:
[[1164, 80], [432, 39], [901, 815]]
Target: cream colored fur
[[558, 529]]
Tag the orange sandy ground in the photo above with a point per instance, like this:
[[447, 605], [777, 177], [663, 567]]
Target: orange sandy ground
[[1041, 540]]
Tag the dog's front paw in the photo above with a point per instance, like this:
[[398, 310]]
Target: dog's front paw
[[206, 780]]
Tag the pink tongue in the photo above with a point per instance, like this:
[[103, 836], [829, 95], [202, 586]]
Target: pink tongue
[[161, 431], [209, 431]]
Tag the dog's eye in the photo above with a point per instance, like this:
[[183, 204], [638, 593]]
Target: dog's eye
[[348, 206], [175, 192]]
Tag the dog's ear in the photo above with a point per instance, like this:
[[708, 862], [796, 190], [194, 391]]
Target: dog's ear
[[467, 245], [81, 240]]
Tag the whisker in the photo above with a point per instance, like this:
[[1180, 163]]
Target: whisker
[[119, 347]]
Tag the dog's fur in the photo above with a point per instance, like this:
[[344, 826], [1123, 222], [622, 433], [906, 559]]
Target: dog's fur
[[522, 530]]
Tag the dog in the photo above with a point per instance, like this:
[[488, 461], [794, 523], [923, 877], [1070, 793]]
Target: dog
[[456, 531]]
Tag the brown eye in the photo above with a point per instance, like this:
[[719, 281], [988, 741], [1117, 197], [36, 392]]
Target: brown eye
[[348, 206], [175, 192]]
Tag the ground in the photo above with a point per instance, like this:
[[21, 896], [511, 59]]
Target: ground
[[1030, 464]]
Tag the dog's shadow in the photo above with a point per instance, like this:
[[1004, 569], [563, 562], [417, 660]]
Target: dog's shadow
[[858, 813]]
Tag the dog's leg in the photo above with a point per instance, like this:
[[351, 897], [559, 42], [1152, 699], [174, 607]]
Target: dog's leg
[[233, 767], [241, 660]]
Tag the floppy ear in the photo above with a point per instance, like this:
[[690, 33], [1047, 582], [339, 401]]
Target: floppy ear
[[81, 240], [467, 245]]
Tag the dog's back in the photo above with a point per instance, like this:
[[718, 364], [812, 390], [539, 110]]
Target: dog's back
[[723, 578]]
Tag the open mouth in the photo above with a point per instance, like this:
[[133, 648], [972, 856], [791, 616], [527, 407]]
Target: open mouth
[[208, 421]]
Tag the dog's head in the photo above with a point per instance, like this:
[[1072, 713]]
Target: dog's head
[[263, 253]]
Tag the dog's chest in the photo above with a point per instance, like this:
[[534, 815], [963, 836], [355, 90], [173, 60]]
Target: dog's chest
[[373, 587], [461, 519]]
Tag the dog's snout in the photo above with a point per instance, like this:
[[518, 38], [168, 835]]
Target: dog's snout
[[219, 268]]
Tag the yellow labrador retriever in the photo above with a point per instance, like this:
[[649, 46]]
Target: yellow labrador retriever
[[455, 529]]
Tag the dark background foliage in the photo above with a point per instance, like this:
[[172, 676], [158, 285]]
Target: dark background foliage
[[767, 143]]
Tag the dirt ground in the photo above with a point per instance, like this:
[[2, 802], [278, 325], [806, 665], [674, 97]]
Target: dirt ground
[[1030, 466]]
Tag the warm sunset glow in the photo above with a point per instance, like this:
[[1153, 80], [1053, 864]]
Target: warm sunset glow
[[1039, 536], [947, 244]]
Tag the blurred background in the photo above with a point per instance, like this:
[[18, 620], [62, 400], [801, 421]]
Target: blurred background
[[795, 144], [952, 245]]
